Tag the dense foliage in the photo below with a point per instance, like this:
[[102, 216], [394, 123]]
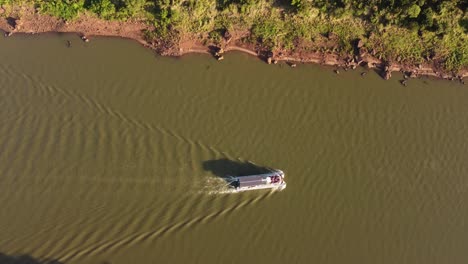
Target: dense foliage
[[408, 31]]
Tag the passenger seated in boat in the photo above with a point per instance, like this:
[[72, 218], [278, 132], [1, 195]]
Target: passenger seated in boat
[[275, 179]]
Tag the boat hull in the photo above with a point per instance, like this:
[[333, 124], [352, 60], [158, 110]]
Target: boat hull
[[273, 187]]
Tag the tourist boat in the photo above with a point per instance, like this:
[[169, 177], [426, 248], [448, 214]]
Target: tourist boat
[[272, 180]]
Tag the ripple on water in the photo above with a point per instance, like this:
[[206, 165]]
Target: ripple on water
[[97, 159]]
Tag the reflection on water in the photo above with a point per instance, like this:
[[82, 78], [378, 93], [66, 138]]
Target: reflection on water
[[110, 154]]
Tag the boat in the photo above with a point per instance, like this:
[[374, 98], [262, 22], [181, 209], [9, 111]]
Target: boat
[[272, 180]]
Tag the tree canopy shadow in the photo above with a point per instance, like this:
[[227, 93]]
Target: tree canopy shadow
[[224, 168], [25, 259]]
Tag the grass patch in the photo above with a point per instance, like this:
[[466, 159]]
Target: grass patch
[[397, 44], [268, 31], [347, 31]]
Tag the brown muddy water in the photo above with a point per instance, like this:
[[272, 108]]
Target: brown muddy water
[[110, 154]]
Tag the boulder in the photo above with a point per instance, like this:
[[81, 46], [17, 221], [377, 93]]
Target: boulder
[[227, 36], [360, 43], [387, 73], [11, 21]]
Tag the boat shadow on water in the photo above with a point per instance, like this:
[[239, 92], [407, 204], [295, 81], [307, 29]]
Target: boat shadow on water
[[224, 168]]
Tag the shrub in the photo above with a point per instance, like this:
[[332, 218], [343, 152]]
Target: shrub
[[398, 44], [130, 8], [65, 9], [413, 11], [103, 8], [267, 31], [457, 59]]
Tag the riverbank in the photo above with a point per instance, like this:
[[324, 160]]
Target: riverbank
[[26, 19]]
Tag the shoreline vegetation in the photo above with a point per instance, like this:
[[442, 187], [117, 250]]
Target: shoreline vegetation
[[416, 37]]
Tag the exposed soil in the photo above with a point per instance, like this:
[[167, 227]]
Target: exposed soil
[[26, 19]]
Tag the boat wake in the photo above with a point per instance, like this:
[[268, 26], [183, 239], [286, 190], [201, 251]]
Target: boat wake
[[179, 226]]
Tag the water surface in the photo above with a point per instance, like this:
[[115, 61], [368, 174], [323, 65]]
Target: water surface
[[109, 153]]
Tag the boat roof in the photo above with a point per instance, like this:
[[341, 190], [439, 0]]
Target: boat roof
[[268, 174], [247, 181], [254, 180]]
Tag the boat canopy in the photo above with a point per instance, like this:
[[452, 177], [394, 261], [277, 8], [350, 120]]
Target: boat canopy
[[248, 181], [255, 180]]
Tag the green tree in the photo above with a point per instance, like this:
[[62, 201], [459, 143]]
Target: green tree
[[103, 8], [413, 11], [131, 8], [428, 18], [66, 9]]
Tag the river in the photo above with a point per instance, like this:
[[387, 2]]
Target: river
[[111, 154]]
